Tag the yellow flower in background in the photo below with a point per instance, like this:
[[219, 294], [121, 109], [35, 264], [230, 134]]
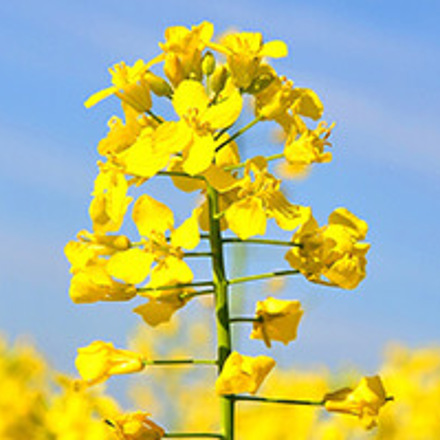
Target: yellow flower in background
[[364, 401], [136, 426], [332, 251], [129, 84], [258, 199], [182, 51], [243, 374], [110, 202], [278, 320], [244, 52], [100, 360]]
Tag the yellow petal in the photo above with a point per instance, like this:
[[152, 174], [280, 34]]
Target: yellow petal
[[274, 49], [226, 112], [247, 218], [157, 312], [131, 266], [186, 184], [199, 155], [187, 235], [346, 218], [171, 271], [307, 103], [99, 96], [190, 95], [152, 216], [220, 179]]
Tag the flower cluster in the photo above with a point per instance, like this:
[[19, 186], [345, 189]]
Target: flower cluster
[[195, 144]]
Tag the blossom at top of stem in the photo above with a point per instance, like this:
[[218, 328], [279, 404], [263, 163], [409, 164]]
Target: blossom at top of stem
[[182, 51], [243, 374], [332, 251], [244, 52], [100, 360], [277, 320], [364, 401]]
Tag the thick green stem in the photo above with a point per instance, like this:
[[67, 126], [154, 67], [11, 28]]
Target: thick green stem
[[221, 308]]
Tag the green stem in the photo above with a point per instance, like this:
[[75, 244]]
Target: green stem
[[154, 116], [238, 133], [246, 319], [197, 254], [189, 295], [180, 362], [262, 276], [175, 286], [243, 164], [284, 401], [261, 241], [179, 174], [192, 435], [224, 344]]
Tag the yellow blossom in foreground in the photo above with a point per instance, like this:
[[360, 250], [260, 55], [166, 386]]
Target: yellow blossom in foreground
[[258, 199], [364, 401], [332, 251], [100, 360], [136, 426], [279, 320], [244, 52], [243, 374]]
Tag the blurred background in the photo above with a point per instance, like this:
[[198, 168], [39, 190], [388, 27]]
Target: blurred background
[[376, 67]]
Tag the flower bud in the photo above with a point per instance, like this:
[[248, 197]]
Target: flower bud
[[218, 79], [208, 64], [158, 85]]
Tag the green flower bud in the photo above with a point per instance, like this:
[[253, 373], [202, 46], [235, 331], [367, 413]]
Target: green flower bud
[[208, 64], [218, 79], [158, 85]]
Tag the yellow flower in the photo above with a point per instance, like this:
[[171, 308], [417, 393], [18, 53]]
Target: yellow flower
[[162, 305], [364, 401], [332, 251], [129, 84], [259, 199], [200, 118], [300, 152], [182, 51], [110, 202], [279, 320], [122, 136], [93, 283], [100, 360], [153, 219], [244, 52], [243, 374], [136, 426]]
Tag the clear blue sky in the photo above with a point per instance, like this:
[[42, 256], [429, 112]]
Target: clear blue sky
[[376, 66]]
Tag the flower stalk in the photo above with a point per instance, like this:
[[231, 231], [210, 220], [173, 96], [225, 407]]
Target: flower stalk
[[224, 343]]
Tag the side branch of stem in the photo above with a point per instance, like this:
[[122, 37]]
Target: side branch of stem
[[263, 276]]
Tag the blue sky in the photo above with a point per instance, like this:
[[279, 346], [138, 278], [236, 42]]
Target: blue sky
[[376, 66]]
